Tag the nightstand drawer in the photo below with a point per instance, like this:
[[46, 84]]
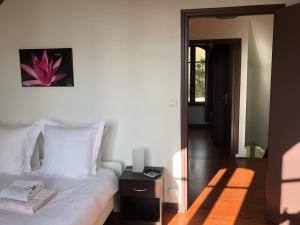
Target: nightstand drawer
[[140, 189], [141, 198]]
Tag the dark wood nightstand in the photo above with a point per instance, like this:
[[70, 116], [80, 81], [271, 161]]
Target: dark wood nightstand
[[141, 198]]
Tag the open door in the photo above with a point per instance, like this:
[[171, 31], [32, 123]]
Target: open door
[[283, 175]]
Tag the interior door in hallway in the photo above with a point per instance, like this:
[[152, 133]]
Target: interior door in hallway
[[220, 94]]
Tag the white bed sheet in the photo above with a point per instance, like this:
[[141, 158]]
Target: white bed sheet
[[77, 202]]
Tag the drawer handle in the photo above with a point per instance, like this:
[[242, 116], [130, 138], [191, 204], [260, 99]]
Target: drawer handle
[[139, 190]]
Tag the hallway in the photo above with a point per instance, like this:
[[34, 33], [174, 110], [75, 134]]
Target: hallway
[[204, 160], [223, 190]]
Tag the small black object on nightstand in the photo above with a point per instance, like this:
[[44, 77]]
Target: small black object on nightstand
[[141, 197], [152, 173]]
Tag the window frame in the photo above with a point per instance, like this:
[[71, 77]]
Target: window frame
[[193, 45]]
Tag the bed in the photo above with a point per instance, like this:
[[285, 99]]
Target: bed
[[87, 201]]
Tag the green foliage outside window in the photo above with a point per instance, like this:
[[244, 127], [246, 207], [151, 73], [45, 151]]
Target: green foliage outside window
[[196, 70], [200, 81]]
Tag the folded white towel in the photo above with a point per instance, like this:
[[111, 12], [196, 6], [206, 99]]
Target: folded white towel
[[22, 190]]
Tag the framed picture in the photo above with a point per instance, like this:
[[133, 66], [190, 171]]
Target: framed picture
[[47, 67]]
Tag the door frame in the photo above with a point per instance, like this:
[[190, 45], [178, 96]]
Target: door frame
[[186, 14]]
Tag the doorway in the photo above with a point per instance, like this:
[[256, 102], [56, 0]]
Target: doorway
[[186, 15], [214, 69]]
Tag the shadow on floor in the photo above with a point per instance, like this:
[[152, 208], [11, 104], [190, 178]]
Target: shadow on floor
[[234, 196]]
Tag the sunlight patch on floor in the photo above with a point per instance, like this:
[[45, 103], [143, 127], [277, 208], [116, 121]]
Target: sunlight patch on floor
[[217, 178], [184, 218], [241, 178], [227, 207]]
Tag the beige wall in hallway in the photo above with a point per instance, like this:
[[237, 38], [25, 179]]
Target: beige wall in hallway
[[259, 79]]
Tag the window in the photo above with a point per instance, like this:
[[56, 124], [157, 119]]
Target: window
[[197, 67]]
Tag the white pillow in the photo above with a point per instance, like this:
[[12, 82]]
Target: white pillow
[[71, 151], [101, 126], [17, 143]]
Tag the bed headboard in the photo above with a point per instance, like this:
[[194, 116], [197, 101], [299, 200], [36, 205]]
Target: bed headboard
[[115, 166]]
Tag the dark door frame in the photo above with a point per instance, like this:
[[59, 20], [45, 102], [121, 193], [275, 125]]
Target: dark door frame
[[186, 14]]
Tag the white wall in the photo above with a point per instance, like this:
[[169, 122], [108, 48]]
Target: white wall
[[259, 79], [211, 28], [126, 68]]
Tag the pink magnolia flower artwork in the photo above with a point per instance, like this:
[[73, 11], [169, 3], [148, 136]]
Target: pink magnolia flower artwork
[[40, 68]]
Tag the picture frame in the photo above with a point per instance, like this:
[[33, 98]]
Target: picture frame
[[47, 67]]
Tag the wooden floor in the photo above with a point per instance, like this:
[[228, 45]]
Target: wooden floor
[[234, 195], [204, 160], [230, 192]]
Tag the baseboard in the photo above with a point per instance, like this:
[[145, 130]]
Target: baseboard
[[174, 207], [170, 206]]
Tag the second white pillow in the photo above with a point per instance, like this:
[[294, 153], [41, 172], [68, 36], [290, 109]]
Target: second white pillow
[[70, 151]]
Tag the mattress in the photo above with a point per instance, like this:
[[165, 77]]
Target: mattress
[[77, 201]]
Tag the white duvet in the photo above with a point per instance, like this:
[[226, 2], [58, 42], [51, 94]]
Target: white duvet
[[77, 202]]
